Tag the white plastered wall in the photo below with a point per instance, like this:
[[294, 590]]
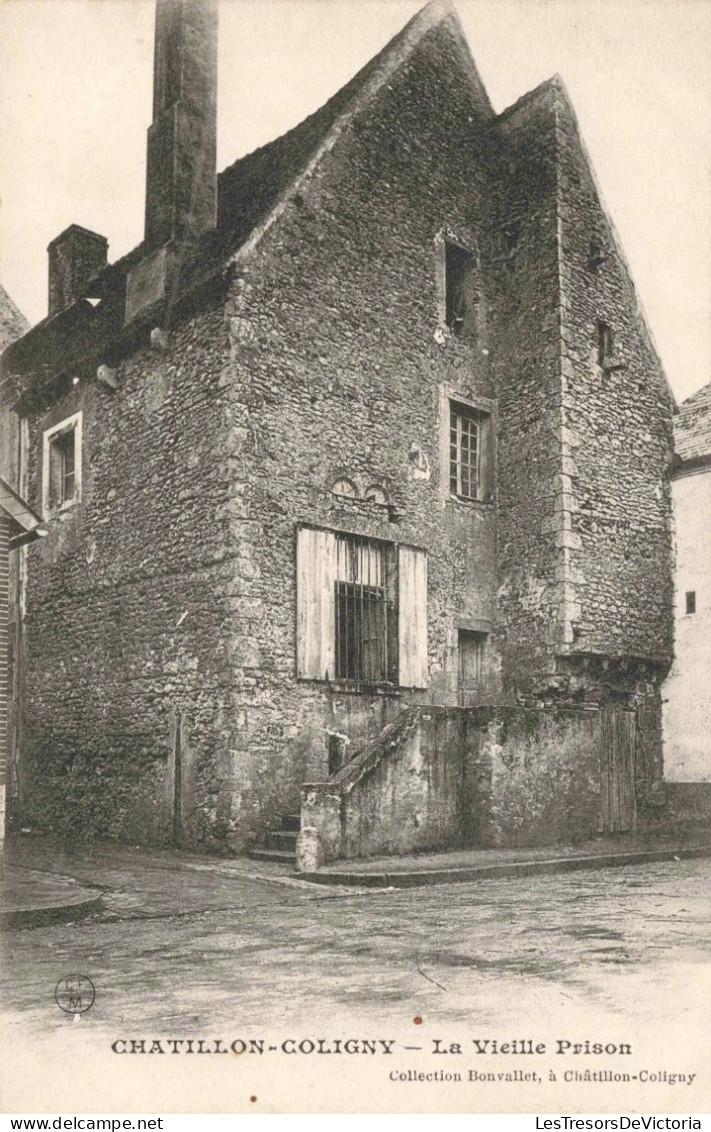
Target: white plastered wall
[[687, 692]]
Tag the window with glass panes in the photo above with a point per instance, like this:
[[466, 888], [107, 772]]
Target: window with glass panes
[[464, 453], [62, 468], [62, 464]]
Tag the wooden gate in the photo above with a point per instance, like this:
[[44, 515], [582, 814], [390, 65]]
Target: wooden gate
[[617, 748]]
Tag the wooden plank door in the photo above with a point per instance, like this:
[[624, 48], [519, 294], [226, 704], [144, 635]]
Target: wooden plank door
[[618, 811], [471, 667]]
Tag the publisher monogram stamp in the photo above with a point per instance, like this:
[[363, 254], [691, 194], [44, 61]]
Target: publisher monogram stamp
[[75, 994]]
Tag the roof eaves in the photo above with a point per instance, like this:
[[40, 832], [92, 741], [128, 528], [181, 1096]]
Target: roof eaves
[[23, 517]]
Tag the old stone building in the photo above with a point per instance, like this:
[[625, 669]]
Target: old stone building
[[355, 472]]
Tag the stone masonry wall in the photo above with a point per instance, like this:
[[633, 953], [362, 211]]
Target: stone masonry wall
[[339, 359], [523, 268], [161, 611], [447, 778], [128, 620], [618, 417]]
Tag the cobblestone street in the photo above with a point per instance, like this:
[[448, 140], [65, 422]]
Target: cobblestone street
[[191, 948], [199, 944]]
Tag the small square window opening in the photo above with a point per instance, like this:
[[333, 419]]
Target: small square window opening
[[691, 601]]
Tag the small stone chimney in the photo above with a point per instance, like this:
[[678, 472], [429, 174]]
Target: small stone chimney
[[75, 257], [181, 176]]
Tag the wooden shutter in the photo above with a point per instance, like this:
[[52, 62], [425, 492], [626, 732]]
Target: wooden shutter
[[412, 617], [315, 604]]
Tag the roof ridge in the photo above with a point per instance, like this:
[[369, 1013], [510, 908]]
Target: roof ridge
[[553, 83], [429, 16]]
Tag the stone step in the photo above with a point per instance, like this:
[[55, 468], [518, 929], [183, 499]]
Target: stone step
[[292, 822], [282, 839], [277, 856]]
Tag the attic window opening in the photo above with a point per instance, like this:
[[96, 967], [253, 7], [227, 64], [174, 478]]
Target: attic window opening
[[605, 343], [607, 357], [690, 597], [376, 494], [595, 255], [458, 264]]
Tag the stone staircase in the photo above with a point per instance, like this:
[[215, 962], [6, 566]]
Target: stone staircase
[[280, 842]]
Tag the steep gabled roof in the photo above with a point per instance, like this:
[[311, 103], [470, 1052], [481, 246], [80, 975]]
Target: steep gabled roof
[[692, 426], [253, 189], [13, 323]]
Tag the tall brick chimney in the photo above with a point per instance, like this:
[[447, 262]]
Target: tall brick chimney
[[75, 257], [181, 177]]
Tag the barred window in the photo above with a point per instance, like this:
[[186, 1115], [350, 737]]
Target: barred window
[[366, 611], [361, 607], [609, 357]]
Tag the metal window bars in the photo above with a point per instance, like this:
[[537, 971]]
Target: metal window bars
[[365, 611]]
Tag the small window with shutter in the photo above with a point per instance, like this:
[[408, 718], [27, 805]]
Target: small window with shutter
[[61, 465], [361, 609]]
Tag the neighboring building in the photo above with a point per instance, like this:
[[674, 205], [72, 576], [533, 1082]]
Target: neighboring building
[[372, 420], [687, 692], [16, 520]]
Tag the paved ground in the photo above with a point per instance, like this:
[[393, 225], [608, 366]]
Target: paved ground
[[34, 896], [216, 948], [189, 943]]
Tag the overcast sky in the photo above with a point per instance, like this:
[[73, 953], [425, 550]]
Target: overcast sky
[[75, 102]]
